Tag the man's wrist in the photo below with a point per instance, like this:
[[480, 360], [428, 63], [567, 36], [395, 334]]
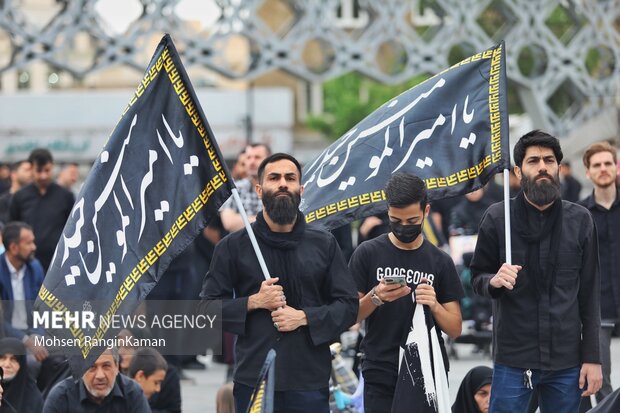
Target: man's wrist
[[303, 319], [491, 282], [374, 298], [252, 305]]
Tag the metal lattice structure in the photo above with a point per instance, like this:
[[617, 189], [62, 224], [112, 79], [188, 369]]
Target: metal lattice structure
[[563, 56]]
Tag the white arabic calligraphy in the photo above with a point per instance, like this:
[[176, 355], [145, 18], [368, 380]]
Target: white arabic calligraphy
[[88, 215], [330, 158], [178, 141], [146, 181], [93, 276], [423, 135]]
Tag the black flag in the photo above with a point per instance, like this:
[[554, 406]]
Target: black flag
[[262, 397], [451, 131], [150, 192], [422, 376]]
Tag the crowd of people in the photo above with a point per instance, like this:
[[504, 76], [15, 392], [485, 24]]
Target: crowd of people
[[552, 360], [556, 304]]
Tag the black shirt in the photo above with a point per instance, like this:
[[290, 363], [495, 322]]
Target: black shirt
[[444, 208], [388, 326], [570, 188], [608, 229], [303, 360], [561, 330], [466, 215], [5, 203], [168, 400], [46, 214], [70, 396]]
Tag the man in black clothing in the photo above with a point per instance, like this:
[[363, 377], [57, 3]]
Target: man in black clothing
[[570, 188], [468, 211], [308, 304], [101, 389], [162, 391], [389, 308], [21, 175], [546, 306], [44, 205], [604, 205], [150, 370]]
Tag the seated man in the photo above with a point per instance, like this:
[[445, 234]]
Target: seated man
[[21, 276], [148, 369], [167, 398], [101, 389]]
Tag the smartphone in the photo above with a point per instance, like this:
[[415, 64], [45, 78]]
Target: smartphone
[[395, 279]]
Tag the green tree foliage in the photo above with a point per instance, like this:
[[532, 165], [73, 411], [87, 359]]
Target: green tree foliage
[[350, 98]]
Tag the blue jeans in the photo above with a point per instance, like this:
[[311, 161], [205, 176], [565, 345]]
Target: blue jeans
[[558, 390], [313, 401]]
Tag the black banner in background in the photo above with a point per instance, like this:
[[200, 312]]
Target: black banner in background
[[451, 131], [158, 180]]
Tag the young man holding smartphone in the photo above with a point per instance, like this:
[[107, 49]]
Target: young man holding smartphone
[[429, 275]]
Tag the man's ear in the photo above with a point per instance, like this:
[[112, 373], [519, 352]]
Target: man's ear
[[301, 190], [518, 172], [259, 191], [427, 210], [139, 377], [13, 247]]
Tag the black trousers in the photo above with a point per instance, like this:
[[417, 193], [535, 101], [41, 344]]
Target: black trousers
[[379, 389], [313, 401]]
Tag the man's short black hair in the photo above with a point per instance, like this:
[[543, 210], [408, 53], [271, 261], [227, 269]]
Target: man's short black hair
[[259, 144], [15, 165], [11, 234], [404, 189], [40, 157], [536, 138], [275, 158], [148, 360]]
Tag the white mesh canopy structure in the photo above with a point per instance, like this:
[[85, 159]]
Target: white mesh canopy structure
[[563, 56]]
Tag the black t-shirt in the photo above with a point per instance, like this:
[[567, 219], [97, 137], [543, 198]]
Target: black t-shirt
[[46, 214], [389, 324]]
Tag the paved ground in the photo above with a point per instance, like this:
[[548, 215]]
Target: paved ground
[[199, 394]]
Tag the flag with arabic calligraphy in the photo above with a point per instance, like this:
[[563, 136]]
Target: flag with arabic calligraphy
[[451, 131], [422, 375], [150, 192], [261, 400]]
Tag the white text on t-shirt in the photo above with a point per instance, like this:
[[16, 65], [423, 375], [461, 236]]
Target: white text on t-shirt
[[413, 276]]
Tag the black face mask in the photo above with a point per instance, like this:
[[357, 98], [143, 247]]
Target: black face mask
[[406, 233]]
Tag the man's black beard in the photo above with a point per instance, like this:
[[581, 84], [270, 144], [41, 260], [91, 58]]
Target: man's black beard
[[281, 209], [27, 259], [543, 192]]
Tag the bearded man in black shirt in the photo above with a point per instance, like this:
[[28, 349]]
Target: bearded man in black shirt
[[308, 303], [546, 316], [389, 308], [44, 205]]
